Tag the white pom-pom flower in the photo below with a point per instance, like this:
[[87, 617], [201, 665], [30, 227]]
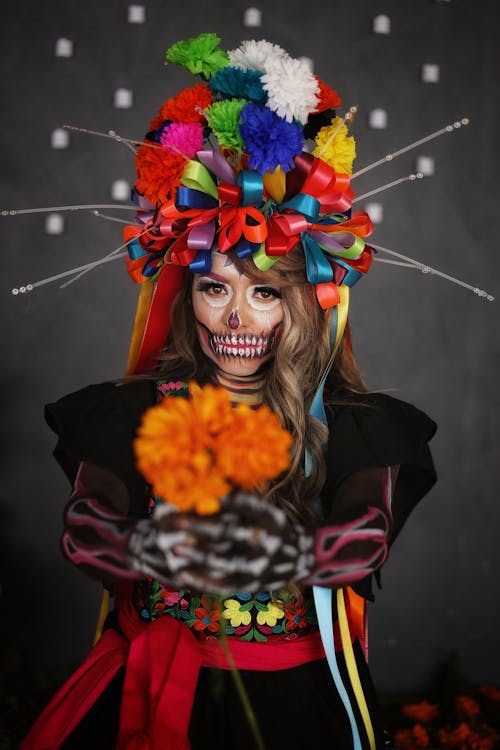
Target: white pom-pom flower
[[256, 55], [291, 87]]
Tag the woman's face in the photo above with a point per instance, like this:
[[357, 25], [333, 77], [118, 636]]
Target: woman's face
[[239, 321]]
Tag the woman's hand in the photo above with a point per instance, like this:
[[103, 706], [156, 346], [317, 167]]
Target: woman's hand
[[248, 546]]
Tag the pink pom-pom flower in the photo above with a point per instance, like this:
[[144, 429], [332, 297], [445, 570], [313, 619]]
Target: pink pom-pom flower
[[183, 137]]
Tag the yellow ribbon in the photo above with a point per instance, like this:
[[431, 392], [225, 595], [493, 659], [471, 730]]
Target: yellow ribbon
[[352, 668], [275, 184]]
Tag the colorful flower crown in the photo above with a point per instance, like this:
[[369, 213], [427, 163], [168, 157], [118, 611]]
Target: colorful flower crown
[[224, 163]]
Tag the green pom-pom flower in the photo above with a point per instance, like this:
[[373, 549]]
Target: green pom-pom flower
[[200, 55], [223, 118]]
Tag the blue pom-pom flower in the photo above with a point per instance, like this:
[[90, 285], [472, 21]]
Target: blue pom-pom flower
[[269, 140], [243, 84]]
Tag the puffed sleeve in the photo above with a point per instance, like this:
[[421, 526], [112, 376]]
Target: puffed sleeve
[[98, 424], [377, 430]]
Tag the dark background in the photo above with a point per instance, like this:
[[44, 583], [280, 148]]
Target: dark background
[[419, 337]]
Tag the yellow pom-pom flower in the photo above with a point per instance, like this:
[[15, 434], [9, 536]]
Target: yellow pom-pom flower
[[335, 146]]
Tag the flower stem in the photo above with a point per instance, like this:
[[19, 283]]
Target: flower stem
[[240, 687]]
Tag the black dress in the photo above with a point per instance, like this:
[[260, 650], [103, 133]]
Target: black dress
[[295, 707]]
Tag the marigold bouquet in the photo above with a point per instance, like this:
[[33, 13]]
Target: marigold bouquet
[[195, 451]]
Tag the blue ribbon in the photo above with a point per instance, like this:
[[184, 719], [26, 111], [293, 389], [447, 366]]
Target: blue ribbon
[[352, 276], [323, 596], [244, 248], [252, 187], [191, 198], [135, 250], [303, 204], [149, 269], [202, 262], [318, 269]]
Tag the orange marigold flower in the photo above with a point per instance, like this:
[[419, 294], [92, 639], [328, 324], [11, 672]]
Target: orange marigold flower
[[456, 737], [186, 105], [491, 692], [328, 97], [212, 407], [158, 173], [254, 449], [466, 706], [423, 711], [193, 452], [421, 735], [403, 739]]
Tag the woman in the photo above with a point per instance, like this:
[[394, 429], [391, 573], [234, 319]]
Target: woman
[[161, 675]]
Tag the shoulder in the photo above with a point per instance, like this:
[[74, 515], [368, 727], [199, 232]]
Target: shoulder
[[102, 401], [375, 429], [98, 424]]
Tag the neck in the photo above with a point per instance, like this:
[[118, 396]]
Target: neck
[[244, 389]]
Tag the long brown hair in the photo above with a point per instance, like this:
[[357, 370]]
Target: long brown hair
[[291, 378]]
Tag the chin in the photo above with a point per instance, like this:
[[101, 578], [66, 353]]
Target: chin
[[239, 366]]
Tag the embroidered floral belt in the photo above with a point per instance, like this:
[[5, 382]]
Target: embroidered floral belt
[[250, 617]]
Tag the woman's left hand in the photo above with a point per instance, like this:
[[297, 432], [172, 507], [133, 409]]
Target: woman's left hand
[[250, 545]]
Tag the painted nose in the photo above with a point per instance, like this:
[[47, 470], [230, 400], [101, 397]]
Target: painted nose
[[233, 321]]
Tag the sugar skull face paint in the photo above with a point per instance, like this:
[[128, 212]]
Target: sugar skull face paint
[[239, 321]]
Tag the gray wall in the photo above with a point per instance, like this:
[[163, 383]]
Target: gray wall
[[425, 340]]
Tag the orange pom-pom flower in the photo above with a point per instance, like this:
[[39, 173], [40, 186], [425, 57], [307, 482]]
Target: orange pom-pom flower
[[158, 173], [186, 106], [194, 452]]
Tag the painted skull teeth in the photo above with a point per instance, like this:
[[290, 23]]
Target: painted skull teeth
[[240, 345]]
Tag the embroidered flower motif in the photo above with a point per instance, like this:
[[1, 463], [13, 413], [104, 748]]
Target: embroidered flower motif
[[207, 615], [235, 614], [172, 385], [243, 84], [295, 616], [185, 138], [335, 146], [270, 615], [200, 55], [292, 89], [256, 55]]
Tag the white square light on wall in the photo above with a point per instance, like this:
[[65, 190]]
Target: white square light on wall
[[381, 24], [59, 138], [63, 48], [430, 73], [136, 14], [252, 17], [377, 119], [375, 211], [120, 190], [123, 98], [425, 165], [54, 224]]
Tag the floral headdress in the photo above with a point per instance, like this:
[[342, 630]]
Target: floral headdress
[[254, 159]]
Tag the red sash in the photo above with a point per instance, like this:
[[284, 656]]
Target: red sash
[[162, 662]]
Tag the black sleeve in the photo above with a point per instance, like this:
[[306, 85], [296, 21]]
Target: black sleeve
[[98, 424], [374, 430]]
